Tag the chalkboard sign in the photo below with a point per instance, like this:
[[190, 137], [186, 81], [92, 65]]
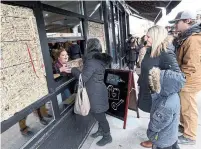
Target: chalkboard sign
[[120, 84]]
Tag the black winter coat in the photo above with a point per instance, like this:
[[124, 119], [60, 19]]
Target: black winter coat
[[166, 60], [75, 52], [93, 76]]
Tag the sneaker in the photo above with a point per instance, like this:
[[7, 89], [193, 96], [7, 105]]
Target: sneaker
[[186, 141], [181, 129], [107, 138]]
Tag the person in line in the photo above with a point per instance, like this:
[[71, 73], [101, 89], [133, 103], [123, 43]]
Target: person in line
[[132, 52], [188, 49], [142, 50], [165, 111], [93, 72], [41, 113], [138, 47], [74, 51], [159, 53], [127, 49]]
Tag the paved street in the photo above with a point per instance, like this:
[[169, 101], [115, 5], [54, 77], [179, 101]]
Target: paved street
[[134, 133]]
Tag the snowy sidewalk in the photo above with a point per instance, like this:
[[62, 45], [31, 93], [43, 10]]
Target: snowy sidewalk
[[135, 132]]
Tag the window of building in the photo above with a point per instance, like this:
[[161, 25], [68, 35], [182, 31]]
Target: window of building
[[57, 25], [24, 130], [73, 6], [65, 42], [94, 9], [66, 97]]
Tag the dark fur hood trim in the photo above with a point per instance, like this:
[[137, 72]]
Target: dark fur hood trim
[[107, 59]]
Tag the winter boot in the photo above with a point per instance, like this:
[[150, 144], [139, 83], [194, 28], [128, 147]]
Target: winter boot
[[98, 133], [107, 138]]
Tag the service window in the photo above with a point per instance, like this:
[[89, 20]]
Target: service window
[[65, 40], [74, 6]]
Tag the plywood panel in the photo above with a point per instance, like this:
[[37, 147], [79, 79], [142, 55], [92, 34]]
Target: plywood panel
[[15, 53], [94, 25], [14, 11], [7, 29], [97, 30], [21, 82], [16, 29], [23, 29], [20, 77], [22, 99], [20, 85], [35, 31]]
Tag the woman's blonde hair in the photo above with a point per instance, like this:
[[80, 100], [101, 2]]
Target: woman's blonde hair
[[160, 39]]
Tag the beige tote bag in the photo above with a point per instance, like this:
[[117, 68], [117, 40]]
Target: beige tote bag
[[82, 104]]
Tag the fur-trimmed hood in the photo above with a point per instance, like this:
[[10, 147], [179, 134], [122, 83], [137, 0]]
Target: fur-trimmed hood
[[165, 82], [102, 57], [107, 59]]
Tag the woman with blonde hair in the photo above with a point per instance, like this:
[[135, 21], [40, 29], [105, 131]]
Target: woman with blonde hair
[[159, 53]]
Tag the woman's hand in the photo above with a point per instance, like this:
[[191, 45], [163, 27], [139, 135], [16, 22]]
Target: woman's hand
[[68, 70], [63, 69]]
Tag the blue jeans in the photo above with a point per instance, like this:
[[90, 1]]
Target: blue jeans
[[67, 93]]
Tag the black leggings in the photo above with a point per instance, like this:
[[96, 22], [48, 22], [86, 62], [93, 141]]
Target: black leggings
[[174, 146], [102, 121], [131, 65]]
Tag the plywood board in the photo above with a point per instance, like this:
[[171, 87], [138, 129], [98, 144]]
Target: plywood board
[[7, 29], [20, 84], [22, 99], [21, 81], [15, 53], [95, 25], [23, 29], [16, 29], [14, 11], [97, 30]]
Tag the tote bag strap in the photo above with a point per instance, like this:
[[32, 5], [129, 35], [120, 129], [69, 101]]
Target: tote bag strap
[[81, 85]]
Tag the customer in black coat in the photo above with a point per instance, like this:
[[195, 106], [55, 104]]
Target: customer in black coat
[[74, 51], [159, 53], [93, 72]]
